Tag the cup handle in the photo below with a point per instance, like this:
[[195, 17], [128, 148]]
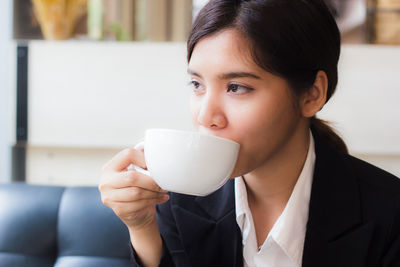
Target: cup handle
[[139, 146]]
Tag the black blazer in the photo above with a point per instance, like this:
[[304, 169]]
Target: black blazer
[[354, 219]]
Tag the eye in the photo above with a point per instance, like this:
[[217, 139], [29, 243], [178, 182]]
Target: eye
[[235, 88], [196, 86]]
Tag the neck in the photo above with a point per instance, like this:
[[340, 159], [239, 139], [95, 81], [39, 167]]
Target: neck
[[271, 184]]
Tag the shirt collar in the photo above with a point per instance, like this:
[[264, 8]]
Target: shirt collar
[[243, 213], [290, 228]]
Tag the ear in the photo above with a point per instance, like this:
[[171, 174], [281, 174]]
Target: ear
[[314, 99]]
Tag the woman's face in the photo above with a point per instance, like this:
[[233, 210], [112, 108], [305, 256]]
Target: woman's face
[[236, 99]]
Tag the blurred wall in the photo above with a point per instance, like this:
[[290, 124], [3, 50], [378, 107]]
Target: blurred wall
[[5, 39], [88, 100]]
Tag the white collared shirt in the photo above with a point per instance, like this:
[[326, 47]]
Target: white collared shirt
[[284, 244]]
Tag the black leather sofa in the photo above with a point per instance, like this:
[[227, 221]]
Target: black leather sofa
[[59, 226]]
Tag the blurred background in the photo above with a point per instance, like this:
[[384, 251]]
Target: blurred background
[[82, 79]]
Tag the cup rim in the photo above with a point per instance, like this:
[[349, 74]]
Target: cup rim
[[195, 132]]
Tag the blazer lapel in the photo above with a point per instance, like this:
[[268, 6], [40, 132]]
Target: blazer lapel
[[209, 232], [334, 228]]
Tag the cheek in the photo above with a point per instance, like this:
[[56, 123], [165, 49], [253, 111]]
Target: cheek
[[194, 110], [268, 121], [250, 119], [261, 128]]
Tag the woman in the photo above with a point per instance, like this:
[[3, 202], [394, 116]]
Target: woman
[[260, 71]]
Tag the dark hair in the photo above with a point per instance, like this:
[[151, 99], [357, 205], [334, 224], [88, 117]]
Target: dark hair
[[293, 39]]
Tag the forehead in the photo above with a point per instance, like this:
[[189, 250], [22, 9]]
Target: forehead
[[225, 48]]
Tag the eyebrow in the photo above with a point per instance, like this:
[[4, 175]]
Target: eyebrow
[[229, 75]]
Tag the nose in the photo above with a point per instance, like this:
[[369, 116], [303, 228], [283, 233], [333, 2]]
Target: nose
[[211, 114]]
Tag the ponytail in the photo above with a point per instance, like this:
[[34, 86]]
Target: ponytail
[[326, 132]]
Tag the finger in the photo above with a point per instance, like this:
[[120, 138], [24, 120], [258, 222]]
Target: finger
[[131, 194], [124, 158], [129, 208], [132, 178]]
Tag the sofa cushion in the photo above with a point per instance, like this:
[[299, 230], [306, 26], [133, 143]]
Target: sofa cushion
[[21, 260], [28, 224], [97, 232], [85, 261], [56, 226]]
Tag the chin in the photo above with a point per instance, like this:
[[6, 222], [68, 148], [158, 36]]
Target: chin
[[238, 171], [244, 165]]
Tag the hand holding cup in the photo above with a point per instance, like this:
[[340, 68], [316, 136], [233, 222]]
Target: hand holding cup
[[130, 194]]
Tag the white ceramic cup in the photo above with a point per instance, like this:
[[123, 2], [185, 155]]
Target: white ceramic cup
[[188, 162]]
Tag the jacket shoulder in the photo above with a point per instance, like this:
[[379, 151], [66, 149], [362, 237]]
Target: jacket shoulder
[[368, 174], [379, 191]]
